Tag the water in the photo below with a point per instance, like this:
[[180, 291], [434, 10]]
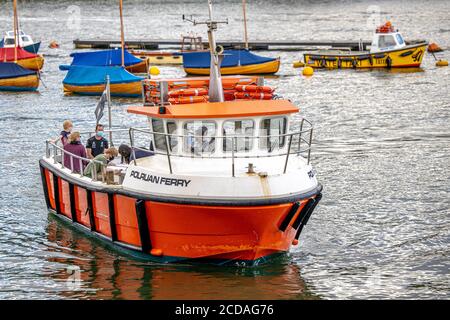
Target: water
[[382, 152]]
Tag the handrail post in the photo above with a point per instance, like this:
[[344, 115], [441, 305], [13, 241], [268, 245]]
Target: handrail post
[[131, 133], [310, 143], [168, 153], [71, 163], [94, 171], [232, 156], [81, 167], [47, 149], [287, 155], [300, 136], [54, 154]]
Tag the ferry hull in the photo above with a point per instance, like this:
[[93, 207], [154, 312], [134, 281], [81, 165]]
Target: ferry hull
[[169, 231], [407, 57], [260, 68], [25, 83], [131, 89]]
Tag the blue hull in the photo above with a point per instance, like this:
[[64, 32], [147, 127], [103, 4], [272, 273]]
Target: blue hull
[[32, 48]]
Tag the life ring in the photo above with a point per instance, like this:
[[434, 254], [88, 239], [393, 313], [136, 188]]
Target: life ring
[[188, 92], [253, 95], [228, 95], [188, 99], [253, 88]]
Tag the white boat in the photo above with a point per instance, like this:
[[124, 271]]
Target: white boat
[[24, 41]]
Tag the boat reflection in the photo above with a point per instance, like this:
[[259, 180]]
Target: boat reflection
[[105, 274]]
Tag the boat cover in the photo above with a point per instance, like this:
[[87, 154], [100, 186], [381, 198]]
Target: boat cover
[[13, 70], [232, 58], [101, 58], [92, 75], [7, 54]]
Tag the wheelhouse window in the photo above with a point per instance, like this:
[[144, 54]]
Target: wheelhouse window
[[399, 38], [386, 41], [243, 130], [199, 137], [173, 139], [270, 131], [9, 41], [159, 138]]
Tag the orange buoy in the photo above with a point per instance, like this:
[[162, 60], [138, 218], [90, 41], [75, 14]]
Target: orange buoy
[[294, 242], [188, 92], [156, 252], [433, 47], [253, 95], [189, 99], [253, 88], [53, 45]]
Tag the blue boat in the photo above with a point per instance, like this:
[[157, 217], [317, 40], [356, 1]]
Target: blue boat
[[13, 77], [91, 80], [107, 58], [234, 62]]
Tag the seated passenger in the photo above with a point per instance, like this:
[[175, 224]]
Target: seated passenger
[[104, 158], [96, 144], [75, 147], [125, 151], [200, 143]]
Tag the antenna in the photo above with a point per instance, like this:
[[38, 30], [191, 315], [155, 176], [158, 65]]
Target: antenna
[[215, 78]]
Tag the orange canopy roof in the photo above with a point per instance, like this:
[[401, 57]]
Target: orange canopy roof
[[228, 109]]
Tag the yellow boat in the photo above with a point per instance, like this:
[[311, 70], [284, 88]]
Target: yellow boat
[[159, 58], [23, 58], [388, 50], [133, 89], [260, 68], [15, 78], [36, 63]]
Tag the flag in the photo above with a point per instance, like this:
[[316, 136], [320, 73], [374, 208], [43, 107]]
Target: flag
[[101, 104]]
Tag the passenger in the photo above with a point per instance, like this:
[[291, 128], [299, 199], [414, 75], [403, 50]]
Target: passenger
[[75, 147], [96, 144], [104, 158], [64, 135], [125, 152], [200, 143]]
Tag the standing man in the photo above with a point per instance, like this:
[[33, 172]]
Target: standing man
[[96, 144]]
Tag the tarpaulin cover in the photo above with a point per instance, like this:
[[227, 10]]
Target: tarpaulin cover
[[87, 75], [9, 54], [232, 58], [102, 58], [13, 70]]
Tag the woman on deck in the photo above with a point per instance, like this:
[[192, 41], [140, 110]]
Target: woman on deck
[[75, 147]]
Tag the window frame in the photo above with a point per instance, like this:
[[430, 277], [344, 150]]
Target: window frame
[[252, 144], [281, 145]]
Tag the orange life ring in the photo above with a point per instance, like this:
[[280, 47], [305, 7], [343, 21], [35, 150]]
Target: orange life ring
[[253, 88], [189, 99], [188, 92], [253, 95]]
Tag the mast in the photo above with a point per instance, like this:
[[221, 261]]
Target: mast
[[122, 40], [244, 4], [15, 29]]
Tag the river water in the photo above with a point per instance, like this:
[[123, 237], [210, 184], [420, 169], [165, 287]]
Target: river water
[[381, 150]]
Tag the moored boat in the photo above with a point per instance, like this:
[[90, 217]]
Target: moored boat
[[388, 50], [106, 58], [234, 62], [159, 58], [23, 58], [91, 80], [24, 41], [13, 77]]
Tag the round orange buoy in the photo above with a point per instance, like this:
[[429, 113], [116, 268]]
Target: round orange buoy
[[308, 71], [156, 252], [442, 63], [53, 45], [294, 242], [433, 47]]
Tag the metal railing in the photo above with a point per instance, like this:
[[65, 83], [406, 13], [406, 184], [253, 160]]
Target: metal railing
[[234, 153], [293, 143], [51, 149]]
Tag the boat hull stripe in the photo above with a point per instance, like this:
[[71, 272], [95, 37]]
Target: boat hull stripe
[[305, 220], [284, 224], [45, 186], [56, 194], [144, 232], [90, 210], [73, 210], [112, 217], [303, 213]]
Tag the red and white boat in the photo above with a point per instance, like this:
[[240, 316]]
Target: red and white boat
[[222, 182]]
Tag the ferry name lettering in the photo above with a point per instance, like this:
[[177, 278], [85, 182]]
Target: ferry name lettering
[[160, 180]]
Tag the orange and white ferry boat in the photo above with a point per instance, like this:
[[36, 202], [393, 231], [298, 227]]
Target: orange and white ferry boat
[[211, 181]]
